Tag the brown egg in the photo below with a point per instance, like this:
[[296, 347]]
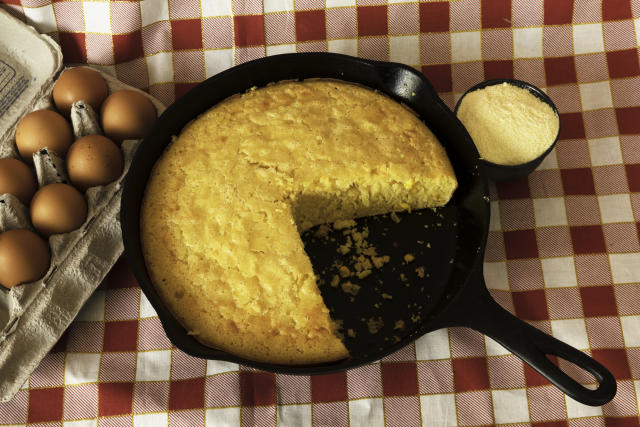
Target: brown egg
[[57, 208], [24, 257], [79, 84], [16, 178], [94, 160], [127, 114], [40, 129]]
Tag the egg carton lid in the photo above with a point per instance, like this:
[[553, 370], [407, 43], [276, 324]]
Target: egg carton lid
[[29, 62]]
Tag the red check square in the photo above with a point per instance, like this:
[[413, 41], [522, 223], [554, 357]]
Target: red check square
[[558, 12], [186, 34], [633, 177], [613, 10], [329, 387], [498, 69], [520, 244], [257, 388], [623, 63], [127, 47], [439, 76], [560, 70], [621, 421], [311, 25], [587, 239], [434, 17], [121, 276], [182, 88], [516, 189], [598, 301], [533, 378], [531, 305], [45, 404], [186, 394], [372, 21], [571, 126], [470, 374], [399, 379], [496, 13], [74, 47], [628, 122], [249, 30], [615, 360], [114, 398], [120, 336], [577, 181]]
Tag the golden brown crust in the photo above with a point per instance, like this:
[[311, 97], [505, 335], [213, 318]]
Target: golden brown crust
[[225, 204]]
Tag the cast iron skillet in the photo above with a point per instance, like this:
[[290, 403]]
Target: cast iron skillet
[[405, 299]]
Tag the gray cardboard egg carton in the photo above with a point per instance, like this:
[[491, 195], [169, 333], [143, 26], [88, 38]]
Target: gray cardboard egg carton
[[33, 316]]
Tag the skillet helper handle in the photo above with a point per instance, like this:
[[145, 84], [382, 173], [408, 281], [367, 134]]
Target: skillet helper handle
[[532, 346]]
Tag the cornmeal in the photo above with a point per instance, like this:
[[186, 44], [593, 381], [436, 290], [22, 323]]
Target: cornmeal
[[226, 202], [508, 124]]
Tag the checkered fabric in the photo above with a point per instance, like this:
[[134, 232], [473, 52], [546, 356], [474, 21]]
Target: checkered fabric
[[563, 250]]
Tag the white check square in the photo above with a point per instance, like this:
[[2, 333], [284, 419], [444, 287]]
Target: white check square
[[438, 410], [559, 272], [81, 368], [152, 11], [366, 412], [153, 365], [344, 46], [495, 275], [494, 220], [550, 211], [281, 48], [146, 309], [595, 95], [605, 151], [42, 18], [223, 417], [277, 5], [220, 366], [466, 46], [97, 17], [527, 42], [571, 331], [294, 415], [404, 49], [631, 330], [217, 60], [160, 68], [587, 38], [433, 346], [151, 420], [494, 348], [579, 410], [615, 208], [510, 406], [93, 309], [625, 268], [80, 423], [216, 8]]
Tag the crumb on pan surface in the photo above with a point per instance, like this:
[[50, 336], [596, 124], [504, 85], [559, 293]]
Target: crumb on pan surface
[[225, 205]]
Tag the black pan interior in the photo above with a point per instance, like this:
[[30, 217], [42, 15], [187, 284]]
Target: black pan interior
[[448, 242]]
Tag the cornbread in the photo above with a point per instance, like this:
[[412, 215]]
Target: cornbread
[[508, 124], [226, 203]]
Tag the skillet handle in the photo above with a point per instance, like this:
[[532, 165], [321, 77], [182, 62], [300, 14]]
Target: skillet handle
[[482, 313]]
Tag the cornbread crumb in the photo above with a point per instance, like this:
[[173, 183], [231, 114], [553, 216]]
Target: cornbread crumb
[[350, 288], [399, 324], [409, 258], [375, 325], [420, 272], [508, 124], [225, 205]]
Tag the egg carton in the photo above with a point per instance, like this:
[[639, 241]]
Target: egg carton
[[33, 316]]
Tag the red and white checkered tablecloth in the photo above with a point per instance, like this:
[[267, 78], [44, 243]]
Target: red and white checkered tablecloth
[[563, 250]]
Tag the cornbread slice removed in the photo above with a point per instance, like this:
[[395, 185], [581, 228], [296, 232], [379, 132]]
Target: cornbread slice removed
[[226, 203]]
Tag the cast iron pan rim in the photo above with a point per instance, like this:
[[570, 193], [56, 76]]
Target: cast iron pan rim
[[536, 91], [166, 316]]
